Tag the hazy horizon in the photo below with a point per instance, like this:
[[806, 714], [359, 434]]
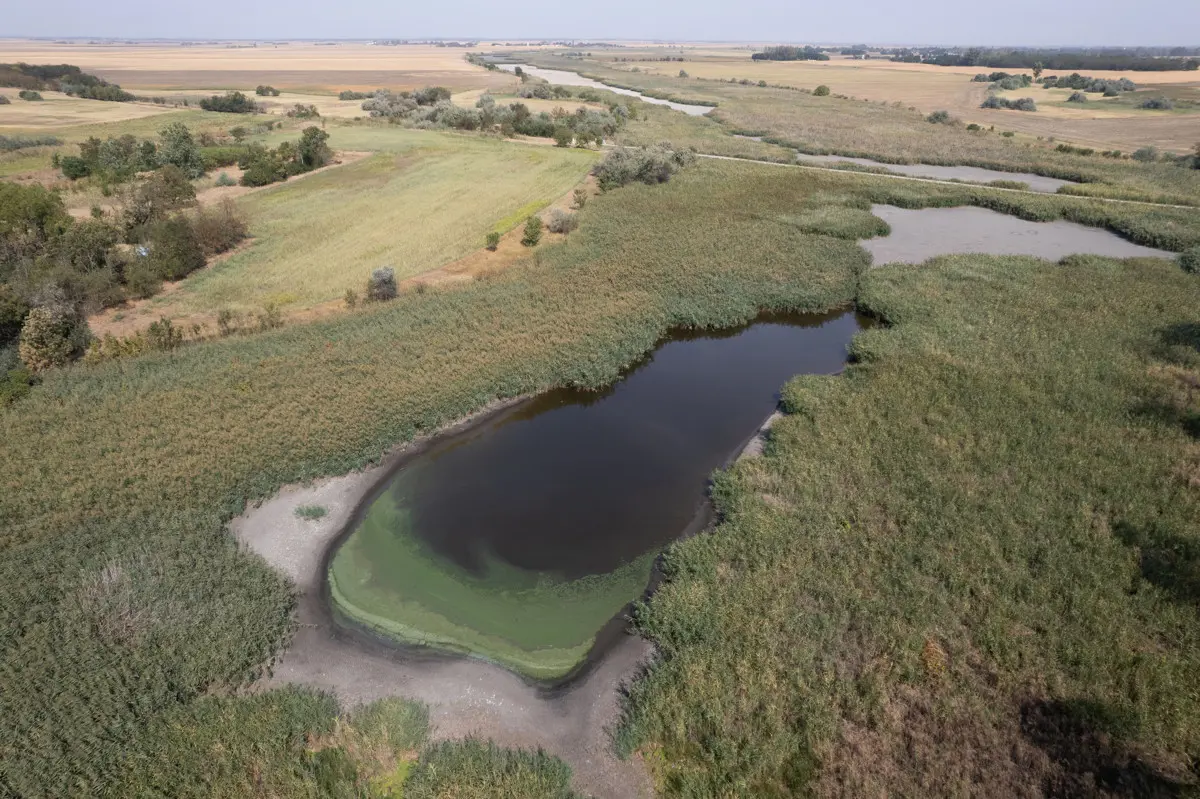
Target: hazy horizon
[[1024, 23]]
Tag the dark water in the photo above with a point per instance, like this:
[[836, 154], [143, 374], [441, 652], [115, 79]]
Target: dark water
[[577, 483]]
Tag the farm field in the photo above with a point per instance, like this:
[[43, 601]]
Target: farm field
[[415, 204], [298, 66]]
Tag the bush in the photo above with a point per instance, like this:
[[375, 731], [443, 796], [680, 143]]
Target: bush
[[167, 190], [1145, 154], [218, 229], [178, 148], [230, 103], [302, 111], [223, 179], [563, 137], [533, 232], [45, 339], [10, 143], [1189, 260], [493, 240], [939, 118], [821, 91], [974, 126], [163, 336], [174, 248], [1157, 103], [311, 513], [683, 74], [1077, 97], [580, 197], [1023, 104], [625, 165], [73, 167], [4, 100], [142, 279], [562, 221], [346, 94], [29, 94], [382, 284], [266, 91]]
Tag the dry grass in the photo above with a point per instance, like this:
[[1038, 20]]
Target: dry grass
[[58, 110], [468, 99]]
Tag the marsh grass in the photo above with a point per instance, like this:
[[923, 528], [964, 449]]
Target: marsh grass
[[965, 527], [142, 462]]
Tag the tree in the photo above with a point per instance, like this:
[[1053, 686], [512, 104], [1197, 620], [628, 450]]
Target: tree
[[13, 311], [168, 189], [563, 137], [174, 249], [1038, 69], [45, 339], [313, 149], [533, 232], [179, 149], [238, 133]]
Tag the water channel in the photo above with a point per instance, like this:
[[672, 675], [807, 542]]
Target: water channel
[[564, 78]]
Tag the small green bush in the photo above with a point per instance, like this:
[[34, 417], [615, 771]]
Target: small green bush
[[223, 179], [562, 221], [580, 198], [974, 126], [1145, 154], [493, 240], [533, 232], [1189, 260], [381, 285], [4, 100], [821, 91], [1157, 104], [45, 339], [174, 248], [351, 298], [311, 513], [1077, 97], [29, 94], [563, 137], [939, 118]]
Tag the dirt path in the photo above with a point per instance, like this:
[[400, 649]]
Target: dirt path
[[465, 696]]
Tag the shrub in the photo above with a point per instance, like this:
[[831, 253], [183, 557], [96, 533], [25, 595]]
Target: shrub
[[973, 126], [580, 197], [270, 317], [266, 91], [162, 335], [493, 240], [230, 103], [1157, 103], [11, 143], [218, 229], [683, 74], [223, 179], [167, 190], [563, 137], [178, 148], [4, 100], [45, 339], [533, 232], [821, 91], [73, 167], [351, 299], [382, 284], [14, 382], [562, 221], [346, 94], [1008, 134], [939, 118], [142, 279], [238, 133], [302, 111], [625, 165], [174, 248], [311, 512], [29, 94], [1023, 104], [1145, 154], [1077, 97], [1189, 260]]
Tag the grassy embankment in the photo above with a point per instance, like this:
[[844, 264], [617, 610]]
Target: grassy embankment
[[124, 601], [824, 125]]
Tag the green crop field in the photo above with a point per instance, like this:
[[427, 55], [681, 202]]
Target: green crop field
[[423, 200], [968, 563]]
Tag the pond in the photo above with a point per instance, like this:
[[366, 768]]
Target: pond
[[969, 173], [562, 77], [523, 539], [918, 235]]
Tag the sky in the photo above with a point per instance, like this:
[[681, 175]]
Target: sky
[[1014, 22]]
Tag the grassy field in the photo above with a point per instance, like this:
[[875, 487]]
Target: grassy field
[[123, 600], [416, 204]]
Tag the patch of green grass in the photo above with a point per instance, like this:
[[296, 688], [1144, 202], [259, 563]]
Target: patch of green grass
[[311, 512], [473, 769]]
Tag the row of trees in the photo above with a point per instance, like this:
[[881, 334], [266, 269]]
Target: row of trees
[[65, 78], [117, 159], [263, 166], [1085, 83], [1059, 60], [230, 103], [786, 52]]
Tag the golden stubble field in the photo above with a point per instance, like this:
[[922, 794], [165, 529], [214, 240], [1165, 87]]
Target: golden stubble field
[[298, 66]]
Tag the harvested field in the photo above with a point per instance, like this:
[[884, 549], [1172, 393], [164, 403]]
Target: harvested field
[[58, 110]]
